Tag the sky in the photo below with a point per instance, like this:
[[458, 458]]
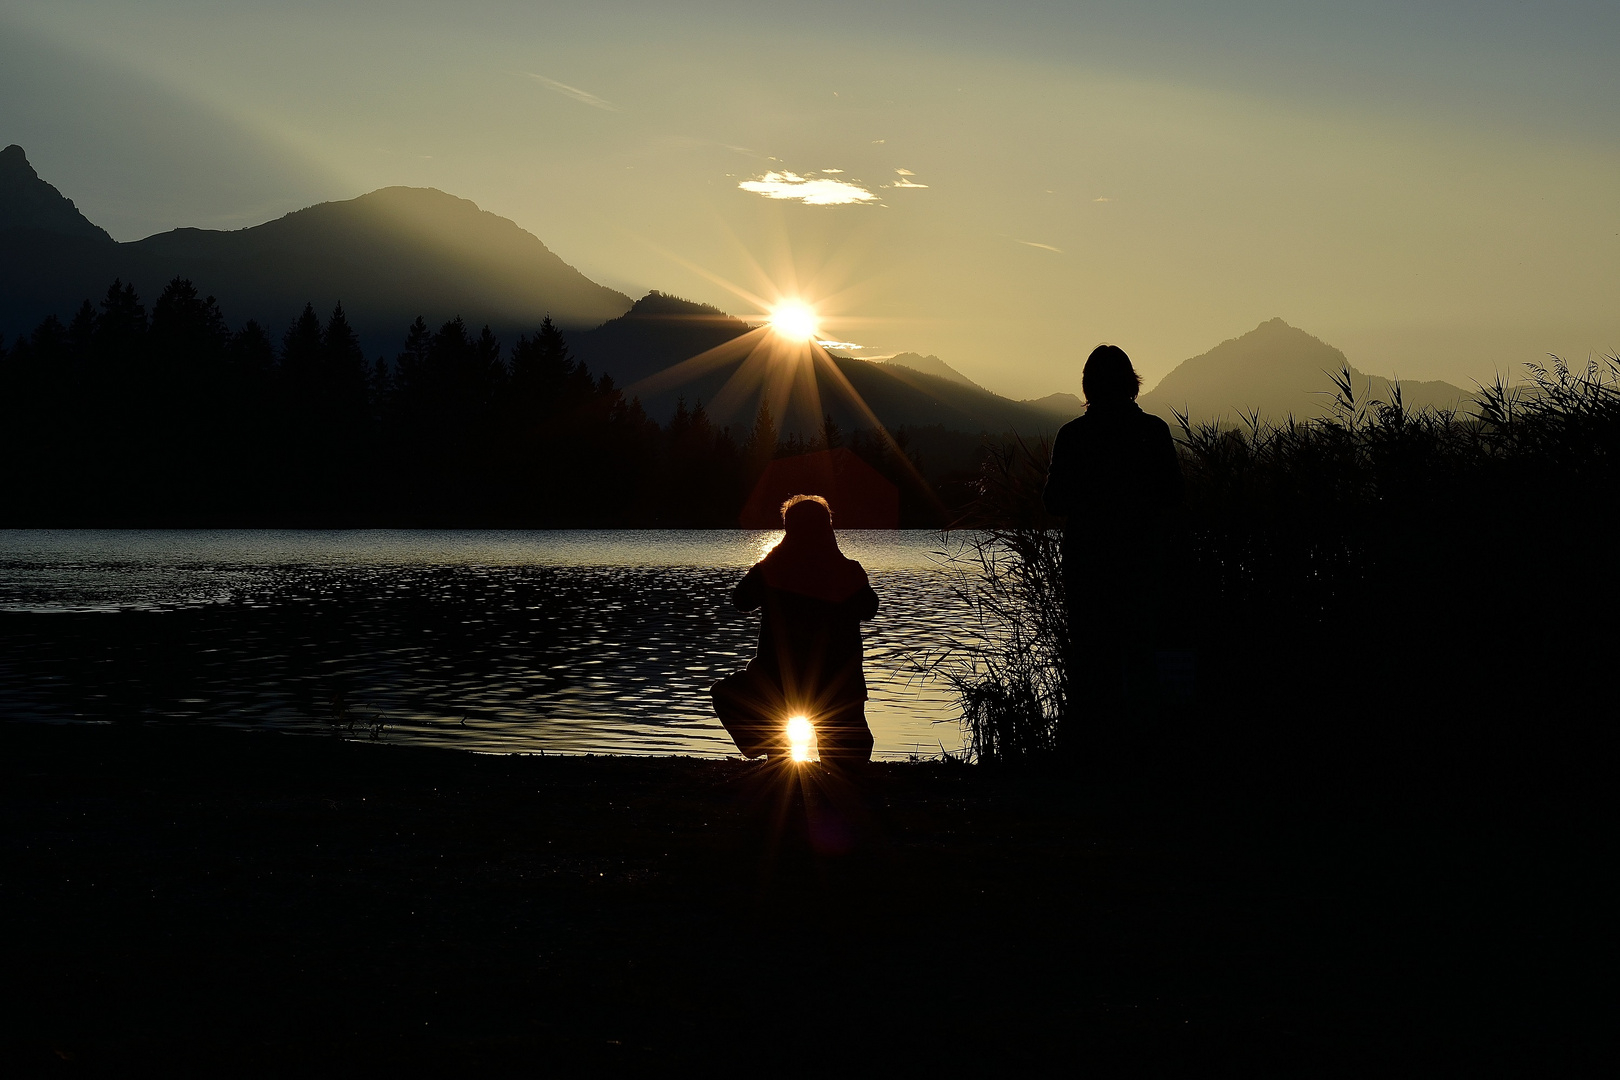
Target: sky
[[1432, 187]]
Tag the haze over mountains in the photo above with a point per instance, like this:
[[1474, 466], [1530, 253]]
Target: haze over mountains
[[397, 253], [1277, 371], [388, 257], [641, 347]]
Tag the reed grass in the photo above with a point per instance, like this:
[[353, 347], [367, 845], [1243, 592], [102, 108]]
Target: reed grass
[[1007, 666], [1351, 524]]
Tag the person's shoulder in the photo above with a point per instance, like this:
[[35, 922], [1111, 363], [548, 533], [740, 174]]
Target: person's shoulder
[[1152, 421], [855, 570], [1073, 427]]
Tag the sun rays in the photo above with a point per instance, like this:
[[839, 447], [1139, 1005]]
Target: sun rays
[[795, 312], [794, 320]]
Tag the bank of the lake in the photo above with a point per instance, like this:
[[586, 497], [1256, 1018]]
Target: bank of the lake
[[194, 899]]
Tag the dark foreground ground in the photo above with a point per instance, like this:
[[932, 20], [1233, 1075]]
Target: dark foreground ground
[[191, 900]]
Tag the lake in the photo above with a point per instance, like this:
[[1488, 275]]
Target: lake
[[566, 641]]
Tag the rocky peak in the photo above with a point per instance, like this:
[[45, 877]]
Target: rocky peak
[[27, 202]]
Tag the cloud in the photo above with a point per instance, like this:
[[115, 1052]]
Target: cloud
[[1043, 247], [839, 345], [1102, 198], [903, 182], [832, 170], [905, 172], [819, 192], [574, 92]]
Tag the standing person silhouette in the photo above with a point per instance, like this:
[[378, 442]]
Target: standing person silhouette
[[1116, 480], [812, 602]]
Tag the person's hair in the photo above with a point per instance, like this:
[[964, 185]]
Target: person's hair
[[807, 512], [1109, 376]]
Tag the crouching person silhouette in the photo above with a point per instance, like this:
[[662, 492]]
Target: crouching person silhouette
[[812, 602]]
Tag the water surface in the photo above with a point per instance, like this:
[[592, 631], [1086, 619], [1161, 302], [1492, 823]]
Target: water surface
[[567, 641]]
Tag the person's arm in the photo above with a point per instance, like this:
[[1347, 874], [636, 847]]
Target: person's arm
[[1169, 470], [864, 603], [1058, 495], [750, 590]]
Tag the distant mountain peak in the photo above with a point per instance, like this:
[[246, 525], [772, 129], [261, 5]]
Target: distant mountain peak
[[27, 202], [657, 304], [1058, 404], [930, 365], [1277, 370]]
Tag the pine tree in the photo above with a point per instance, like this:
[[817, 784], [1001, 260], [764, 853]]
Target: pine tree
[[831, 436], [762, 441], [82, 330], [252, 354], [380, 388], [410, 366], [188, 335], [301, 353], [343, 376], [121, 329]]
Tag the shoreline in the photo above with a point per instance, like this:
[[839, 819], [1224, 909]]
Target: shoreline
[[249, 902]]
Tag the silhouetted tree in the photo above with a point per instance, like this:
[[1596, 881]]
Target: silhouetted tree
[[121, 329], [121, 419], [762, 444]]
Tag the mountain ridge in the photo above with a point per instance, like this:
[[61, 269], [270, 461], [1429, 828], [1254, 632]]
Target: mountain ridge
[[928, 365], [398, 252], [28, 202], [643, 348], [1278, 371], [387, 256]]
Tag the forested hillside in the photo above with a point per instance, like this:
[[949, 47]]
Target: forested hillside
[[128, 417]]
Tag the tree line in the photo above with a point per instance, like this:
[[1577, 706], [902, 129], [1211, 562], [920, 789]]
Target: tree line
[[124, 417]]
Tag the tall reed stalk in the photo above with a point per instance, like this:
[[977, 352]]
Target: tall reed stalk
[[1338, 523], [1007, 666]]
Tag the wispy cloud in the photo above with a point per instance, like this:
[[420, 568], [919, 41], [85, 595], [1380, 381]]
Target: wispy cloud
[[582, 96], [832, 170], [905, 180], [849, 345], [1043, 247], [1102, 198], [811, 192]]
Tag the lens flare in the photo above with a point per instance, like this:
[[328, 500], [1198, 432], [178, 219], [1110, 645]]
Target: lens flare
[[800, 733], [794, 320]]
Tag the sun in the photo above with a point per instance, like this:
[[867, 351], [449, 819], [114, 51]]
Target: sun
[[801, 733], [794, 320]]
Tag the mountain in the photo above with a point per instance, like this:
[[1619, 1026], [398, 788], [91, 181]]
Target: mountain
[[899, 395], [1063, 407], [930, 365], [29, 203], [658, 332], [1278, 371], [388, 257], [1066, 406], [665, 349]]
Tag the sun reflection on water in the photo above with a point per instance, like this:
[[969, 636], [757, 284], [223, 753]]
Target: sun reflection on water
[[801, 735], [562, 642], [767, 543]]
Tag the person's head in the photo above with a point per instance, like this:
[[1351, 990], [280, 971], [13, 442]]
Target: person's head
[[1109, 377], [807, 517]]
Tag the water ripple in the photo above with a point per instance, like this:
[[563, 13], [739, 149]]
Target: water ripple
[[499, 642]]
